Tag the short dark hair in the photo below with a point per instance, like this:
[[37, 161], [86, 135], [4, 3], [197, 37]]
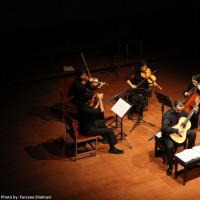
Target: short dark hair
[[142, 63], [178, 102]]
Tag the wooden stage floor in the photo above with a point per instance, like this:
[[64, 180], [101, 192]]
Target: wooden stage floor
[[32, 163]]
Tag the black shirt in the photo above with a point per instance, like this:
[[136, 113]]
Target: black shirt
[[171, 118]]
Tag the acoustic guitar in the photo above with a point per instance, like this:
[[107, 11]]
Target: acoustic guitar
[[185, 124]]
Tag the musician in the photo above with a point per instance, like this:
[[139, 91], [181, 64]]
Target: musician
[[190, 93], [195, 84], [92, 122], [82, 89], [171, 118], [134, 78]]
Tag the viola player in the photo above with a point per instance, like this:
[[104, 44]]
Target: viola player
[[135, 79]]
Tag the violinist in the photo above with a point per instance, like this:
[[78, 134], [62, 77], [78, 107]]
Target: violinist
[[135, 79], [92, 122], [83, 87], [190, 94]]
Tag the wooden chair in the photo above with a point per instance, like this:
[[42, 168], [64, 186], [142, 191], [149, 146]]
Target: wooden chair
[[66, 96], [78, 138]]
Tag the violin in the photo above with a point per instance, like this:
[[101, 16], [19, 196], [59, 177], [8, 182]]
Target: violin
[[150, 77], [94, 82]]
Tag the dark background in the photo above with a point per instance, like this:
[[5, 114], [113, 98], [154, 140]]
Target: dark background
[[32, 30]]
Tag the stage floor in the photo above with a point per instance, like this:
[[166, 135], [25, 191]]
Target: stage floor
[[33, 162]]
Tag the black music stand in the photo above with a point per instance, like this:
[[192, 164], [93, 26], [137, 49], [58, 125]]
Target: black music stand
[[146, 93], [165, 101], [120, 108], [116, 98]]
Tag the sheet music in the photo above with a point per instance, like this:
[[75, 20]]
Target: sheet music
[[189, 154], [159, 134], [121, 107], [197, 148]]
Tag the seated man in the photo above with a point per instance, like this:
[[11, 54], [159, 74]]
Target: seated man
[[92, 122], [171, 118]]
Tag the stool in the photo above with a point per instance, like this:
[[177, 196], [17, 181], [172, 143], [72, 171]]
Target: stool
[[160, 148]]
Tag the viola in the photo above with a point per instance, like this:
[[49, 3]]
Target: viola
[[150, 77]]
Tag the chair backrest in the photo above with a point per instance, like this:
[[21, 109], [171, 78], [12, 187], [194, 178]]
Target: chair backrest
[[66, 88], [72, 130]]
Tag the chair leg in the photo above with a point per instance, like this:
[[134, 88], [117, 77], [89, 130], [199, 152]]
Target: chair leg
[[76, 153]]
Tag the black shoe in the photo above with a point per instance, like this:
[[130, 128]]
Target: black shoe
[[169, 171], [114, 150]]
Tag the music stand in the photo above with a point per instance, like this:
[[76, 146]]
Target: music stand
[[165, 101], [120, 108], [116, 98], [141, 92]]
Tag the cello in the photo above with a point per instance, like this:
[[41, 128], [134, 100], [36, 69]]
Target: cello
[[190, 100]]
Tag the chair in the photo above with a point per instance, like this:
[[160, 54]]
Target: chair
[[160, 147], [78, 138], [66, 96]]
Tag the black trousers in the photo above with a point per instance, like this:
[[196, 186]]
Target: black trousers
[[137, 101], [105, 133], [170, 145]]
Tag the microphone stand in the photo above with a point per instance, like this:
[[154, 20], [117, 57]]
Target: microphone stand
[[115, 96]]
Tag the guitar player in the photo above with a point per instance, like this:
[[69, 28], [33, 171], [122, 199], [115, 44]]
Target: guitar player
[[171, 118]]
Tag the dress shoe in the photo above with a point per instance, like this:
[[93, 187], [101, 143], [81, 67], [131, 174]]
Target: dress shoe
[[114, 150], [169, 171]]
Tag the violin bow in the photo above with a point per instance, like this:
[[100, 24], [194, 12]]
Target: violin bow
[[86, 65]]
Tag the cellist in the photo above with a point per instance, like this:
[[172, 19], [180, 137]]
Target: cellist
[[191, 93]]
